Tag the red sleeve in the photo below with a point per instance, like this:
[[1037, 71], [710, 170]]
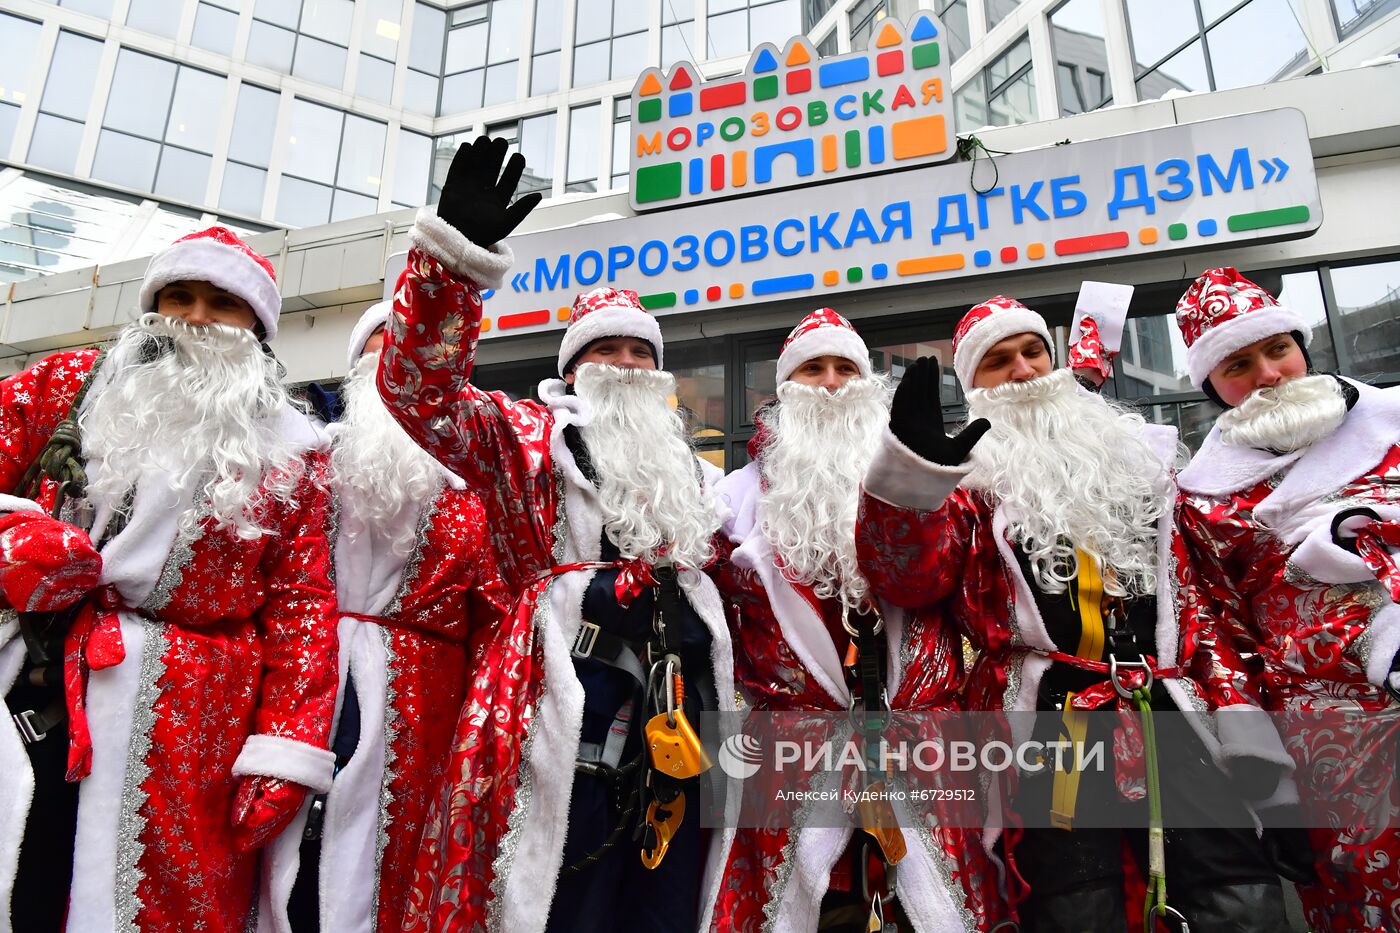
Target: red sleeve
[[32, 403], [1213, 631], [915, 558], [498, 446], [298, 620]]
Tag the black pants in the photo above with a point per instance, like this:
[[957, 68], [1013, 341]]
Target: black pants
[[1217, 876], [39, 902], [619, 894]]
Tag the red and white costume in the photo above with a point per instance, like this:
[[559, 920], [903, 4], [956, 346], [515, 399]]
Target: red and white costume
[[202, 657], [923, 538], [1259, 526], [493, 846], [407, 631], [787, 644]]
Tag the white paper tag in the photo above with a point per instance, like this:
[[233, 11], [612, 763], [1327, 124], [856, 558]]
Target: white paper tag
[[1107, 304]]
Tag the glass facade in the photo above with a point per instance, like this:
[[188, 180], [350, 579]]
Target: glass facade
[[283, 86], [1210, 45]]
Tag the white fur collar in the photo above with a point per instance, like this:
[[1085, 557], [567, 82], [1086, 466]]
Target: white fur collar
[[1371, 428]]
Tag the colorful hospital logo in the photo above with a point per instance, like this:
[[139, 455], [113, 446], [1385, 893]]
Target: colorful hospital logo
[[792, 118]]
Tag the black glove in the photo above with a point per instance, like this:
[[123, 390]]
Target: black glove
[[1286, 843], [916, 417], [476, 195]]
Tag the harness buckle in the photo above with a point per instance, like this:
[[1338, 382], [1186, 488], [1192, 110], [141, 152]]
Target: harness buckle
[[25, 725], [1115, 665], [585, 640]]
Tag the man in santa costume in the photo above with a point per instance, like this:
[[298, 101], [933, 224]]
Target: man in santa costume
[[1288, 508], [791, 582], [1047, 525], [417, 589], [602, 523], [197, 659]]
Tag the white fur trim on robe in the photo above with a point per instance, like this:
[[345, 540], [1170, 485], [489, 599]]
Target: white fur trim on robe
[[18, 504], [485, 268], [1371, 428], [529, 883], [291, 760], [902, 478]]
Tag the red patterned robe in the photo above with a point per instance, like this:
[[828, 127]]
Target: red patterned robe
[[786, 660], [208, 656], [494, 843], [1259, 526], [922, 538], [408, 630]]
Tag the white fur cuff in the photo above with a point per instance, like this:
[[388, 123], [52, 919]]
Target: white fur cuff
[[902, 478], [18, 504], [486, 267], [288, 759], [1384, 643], [1248, 732]]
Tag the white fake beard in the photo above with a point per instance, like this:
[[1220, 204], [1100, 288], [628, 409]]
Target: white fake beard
[[648, 478], [1286, 417], [379, 471], [813, 462], [1072, 470], [189, 400]]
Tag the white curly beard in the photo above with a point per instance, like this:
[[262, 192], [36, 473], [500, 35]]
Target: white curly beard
[[1072, 470], [813, 462], [649, 482], [1286, 417], [184, 401], [378, 471]]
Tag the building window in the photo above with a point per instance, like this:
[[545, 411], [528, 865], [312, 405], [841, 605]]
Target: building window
[[585, 138], [736, 26], [532, 137], [160, 17], [998, 10], [332, 168], [1081, 57], [215, 26], [1002, 94], [677, 32], [622, 144], [379, 46], [99, 8], [64, 107], [159, 127], [1367, 301], [412, 168], [249, 149], [306, 38], [425, 48], [17, 40], [864, 17], [1352, 15], [610, 40], [1208, 45], [549, 40], [482, 56]]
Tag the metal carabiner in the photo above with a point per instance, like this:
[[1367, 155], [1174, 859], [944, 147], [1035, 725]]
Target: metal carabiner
[[1166, 910], [1114, 666], [851, 629]]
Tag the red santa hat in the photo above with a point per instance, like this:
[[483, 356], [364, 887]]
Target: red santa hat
[[987, 324], [219, 257], [375, 317], [822, 333], [607, 312], [1223, 312]]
